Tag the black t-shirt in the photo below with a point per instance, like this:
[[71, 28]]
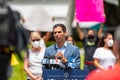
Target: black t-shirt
[[90, 48]]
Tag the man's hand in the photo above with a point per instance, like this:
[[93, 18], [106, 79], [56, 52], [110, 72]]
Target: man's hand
[[61, 56], [64, 60]]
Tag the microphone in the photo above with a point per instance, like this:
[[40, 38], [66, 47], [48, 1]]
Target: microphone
[[71, 65], [71, 62], [46, 62], [56, 63]]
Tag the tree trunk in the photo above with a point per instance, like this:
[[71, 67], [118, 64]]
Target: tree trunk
[[70, 17]]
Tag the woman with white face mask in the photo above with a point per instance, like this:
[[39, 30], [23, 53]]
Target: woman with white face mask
[[70, 39], [103, 57], [32, 62]]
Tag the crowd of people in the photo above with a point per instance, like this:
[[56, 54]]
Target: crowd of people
[[101, 55], [101, 52], [106, 59]]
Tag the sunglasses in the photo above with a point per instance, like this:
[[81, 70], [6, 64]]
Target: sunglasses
[[36, 40]]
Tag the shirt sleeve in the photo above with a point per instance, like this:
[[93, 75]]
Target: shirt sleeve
[[97, 53], [77, 58]]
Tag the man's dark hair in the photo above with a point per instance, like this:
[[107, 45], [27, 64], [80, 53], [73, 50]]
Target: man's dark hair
[[90, 30], [60, 25]]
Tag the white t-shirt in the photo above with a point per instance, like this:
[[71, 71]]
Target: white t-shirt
[[106, 57]]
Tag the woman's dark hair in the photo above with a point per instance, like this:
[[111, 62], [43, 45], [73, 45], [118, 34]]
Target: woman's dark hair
[[101, 42], [60, 25], [72, 38]]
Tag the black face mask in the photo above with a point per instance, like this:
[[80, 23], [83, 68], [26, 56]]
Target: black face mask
[[90, 37]]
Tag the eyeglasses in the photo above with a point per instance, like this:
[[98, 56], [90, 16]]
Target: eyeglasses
[[36, 40]]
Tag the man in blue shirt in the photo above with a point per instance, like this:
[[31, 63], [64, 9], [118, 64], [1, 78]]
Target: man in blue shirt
[[61, 49]]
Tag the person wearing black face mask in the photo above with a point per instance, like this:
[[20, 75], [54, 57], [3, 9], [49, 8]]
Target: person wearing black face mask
[[91, 37], [90, 42]]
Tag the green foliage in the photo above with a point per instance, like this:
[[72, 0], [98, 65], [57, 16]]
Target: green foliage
[[18, 72], [79, 44], [49, 43]]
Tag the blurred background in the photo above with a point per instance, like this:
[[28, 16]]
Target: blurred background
[[45, 13], [63, 12]]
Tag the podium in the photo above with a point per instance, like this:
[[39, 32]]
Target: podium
[[64, 74]]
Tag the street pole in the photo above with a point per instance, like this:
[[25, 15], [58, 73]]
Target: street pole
[[70, 17]]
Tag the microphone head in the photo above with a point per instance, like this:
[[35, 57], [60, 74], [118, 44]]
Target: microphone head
[[71, 62], [52, 57], [55, 61], [45, 61], [71, 65], [45, 57], [59, 57], [71, 59]]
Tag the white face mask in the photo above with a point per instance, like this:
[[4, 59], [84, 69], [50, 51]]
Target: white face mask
[[70, 42], [110, 43], [36, 44]]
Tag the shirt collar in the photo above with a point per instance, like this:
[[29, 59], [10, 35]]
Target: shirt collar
[[65, 45]]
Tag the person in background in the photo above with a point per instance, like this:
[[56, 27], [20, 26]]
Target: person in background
[[33, 57], [90, 43], [114, 72], [103, 56], [71, 40], [61, 49], [22, 33], [44, 39], [8, 38]]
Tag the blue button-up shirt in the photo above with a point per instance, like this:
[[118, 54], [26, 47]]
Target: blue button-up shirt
[[62, 49]]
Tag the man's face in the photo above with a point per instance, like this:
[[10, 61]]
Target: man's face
[[90, 34], [58, 33]]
